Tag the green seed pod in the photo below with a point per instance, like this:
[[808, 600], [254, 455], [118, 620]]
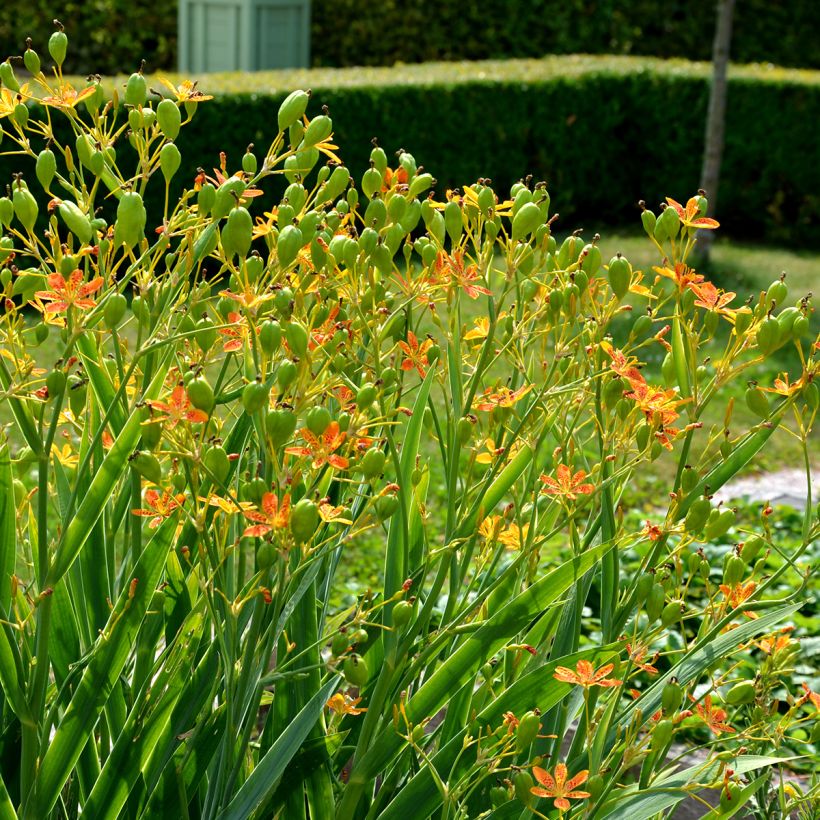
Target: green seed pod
[[800, 328], [733, 570], [654, 602], [661, 735], [420, 184], [719, 526], [249, 162], [76, 221], [740, 693], [595, 787], [270, 336], [46, 168], [201, 394], [129, 229], [25, 207], [386, 506], [286, 374], [401, 614], [136, 90], [205, 334], [751, 549], [672, 612], [7, 77], [523, 783], [355, 670], [292, 109], [6, 211], [340, 643], [590, 260], [498, 796], [169, 160], [698, 515], [55, 382], [525, 221], [729, 796], [667, 225], [114, 310], [318, 130], [777, 292], [620, 275], [280, 426], [768, 335], [148, 466], [237, 233], [671, 696], [169, 119], [453, 221], [288, 245], [648, 221], [254, 397], [297, 338], [644, 587], [217, 464], [205, 198], [304, 519], [786, 320], [226, 197], [318, 420], [527, 731], [58, 46], [689, 478], [372, 463], [31, 60]]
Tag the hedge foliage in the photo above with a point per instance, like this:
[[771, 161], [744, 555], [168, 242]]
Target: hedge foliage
[[107, 36], [108, 33], [604, 132], [381, 32]]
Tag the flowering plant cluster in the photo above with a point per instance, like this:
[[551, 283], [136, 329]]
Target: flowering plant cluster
[[206, 409]]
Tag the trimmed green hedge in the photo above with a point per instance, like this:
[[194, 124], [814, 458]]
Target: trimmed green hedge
[[383, 32], [604, 132], [108, 36]]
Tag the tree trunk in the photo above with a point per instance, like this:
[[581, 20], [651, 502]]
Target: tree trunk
[[716, 116]]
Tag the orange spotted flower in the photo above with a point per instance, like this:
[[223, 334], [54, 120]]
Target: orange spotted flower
[[713, 716], [66, 96], [463, 276], [637, 654], [186, 91], [71, 292], [737, 594], [586, 675], [689, 215], [503, 397], [237, 331], [809, 696], [416, 354], [784, 387], [270, 516], [625, 366], [160, 506], [322, 448], [711, 298], [343, 704], [682, 275], [654, 400], [178, 408], [566, 484], [558, 787]]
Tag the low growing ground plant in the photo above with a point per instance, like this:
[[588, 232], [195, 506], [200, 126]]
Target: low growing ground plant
[[205, 408]]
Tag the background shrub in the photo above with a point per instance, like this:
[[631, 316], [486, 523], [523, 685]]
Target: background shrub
[[392, 31], [604, 132]]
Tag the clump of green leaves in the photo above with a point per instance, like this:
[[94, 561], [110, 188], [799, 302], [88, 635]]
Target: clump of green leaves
[[206, 408]]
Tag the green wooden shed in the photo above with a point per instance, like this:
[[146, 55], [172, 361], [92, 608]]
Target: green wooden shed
[[243, 35]]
